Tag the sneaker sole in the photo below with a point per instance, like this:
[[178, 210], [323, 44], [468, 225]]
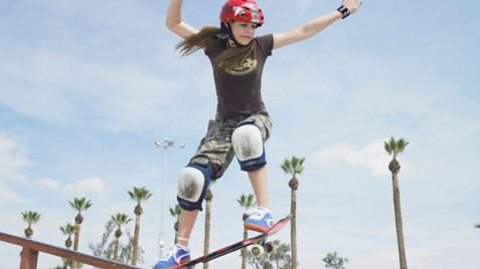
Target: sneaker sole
[[255, 228]]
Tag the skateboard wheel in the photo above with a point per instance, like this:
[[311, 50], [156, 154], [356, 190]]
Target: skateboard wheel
[[271, 247], [257, 251]]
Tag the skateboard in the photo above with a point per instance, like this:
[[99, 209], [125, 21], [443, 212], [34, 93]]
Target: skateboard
[[259, 245]]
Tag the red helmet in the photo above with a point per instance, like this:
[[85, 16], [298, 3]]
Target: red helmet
[[241, 10]]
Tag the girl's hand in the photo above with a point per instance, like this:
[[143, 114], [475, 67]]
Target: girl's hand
[[352, 5]]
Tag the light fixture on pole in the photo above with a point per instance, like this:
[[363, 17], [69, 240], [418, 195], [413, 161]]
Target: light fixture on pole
[[165, 144]]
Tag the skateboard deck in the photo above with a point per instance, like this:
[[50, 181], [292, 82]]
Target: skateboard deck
[[239, 245]]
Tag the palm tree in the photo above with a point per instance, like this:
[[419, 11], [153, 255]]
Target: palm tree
[[68, 230], [333, 261], [30, 217], [79, 204], [175, 212], [246, 202], [394, 148], [293, 167], [208, 216], [119, 219], [139, 195], [280, 258]]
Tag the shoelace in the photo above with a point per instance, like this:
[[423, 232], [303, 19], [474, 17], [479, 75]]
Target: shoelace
[[170, 254], [257, 216]]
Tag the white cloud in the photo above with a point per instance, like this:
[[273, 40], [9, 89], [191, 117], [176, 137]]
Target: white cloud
[[49, 183], [82, 186], [371, 156], [8, 196], [64, 88], [12, 158], [12, 161], [78, 187]]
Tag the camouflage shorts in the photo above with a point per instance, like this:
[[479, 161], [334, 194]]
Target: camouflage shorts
[[216, 147]]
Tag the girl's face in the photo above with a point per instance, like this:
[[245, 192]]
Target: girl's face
[[243, 32]]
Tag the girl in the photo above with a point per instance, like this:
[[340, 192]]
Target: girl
[[241, 125]]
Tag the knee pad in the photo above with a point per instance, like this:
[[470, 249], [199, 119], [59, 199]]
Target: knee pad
[[248, 146], [192, 186]]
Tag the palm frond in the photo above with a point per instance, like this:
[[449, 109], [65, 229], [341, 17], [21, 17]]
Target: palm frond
[[140, 194], [246, 201], [80, 204], [121, 218], [394, 147], [31, 217], [293, 166], [287, 166], [175, 211]]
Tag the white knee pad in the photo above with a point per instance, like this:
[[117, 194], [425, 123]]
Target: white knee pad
[[248, 146], [192, 185]]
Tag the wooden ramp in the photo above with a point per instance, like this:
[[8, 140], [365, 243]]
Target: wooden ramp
[[31, 248]]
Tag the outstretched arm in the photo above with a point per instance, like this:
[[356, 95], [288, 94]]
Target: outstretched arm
[[312, 27], [174, 20]]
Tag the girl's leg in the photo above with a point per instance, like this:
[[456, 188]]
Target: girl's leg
[[259, 219], [258, 179], [186, 223]]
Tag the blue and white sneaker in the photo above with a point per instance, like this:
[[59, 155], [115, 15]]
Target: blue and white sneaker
[[176, 256], [259, 220]]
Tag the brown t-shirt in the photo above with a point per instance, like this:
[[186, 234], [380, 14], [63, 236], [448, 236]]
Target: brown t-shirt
[[239, 89]]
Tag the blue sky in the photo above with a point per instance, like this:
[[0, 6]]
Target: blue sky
[[86, 87]]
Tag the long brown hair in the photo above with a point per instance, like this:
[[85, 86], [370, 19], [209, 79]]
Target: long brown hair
[[233, 56]]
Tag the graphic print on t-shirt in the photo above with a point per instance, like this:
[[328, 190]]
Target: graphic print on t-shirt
[[242, 69]]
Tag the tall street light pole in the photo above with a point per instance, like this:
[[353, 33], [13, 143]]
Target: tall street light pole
[[165, 144]]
